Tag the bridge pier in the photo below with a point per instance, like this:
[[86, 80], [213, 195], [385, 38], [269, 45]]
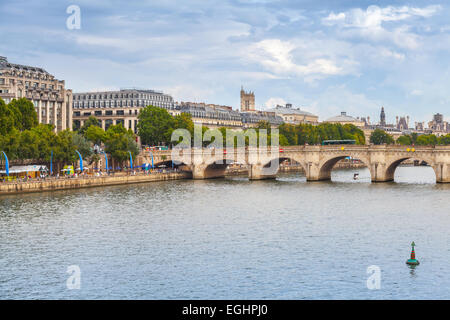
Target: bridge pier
[[259, 172], [203, 171], [442, 172]]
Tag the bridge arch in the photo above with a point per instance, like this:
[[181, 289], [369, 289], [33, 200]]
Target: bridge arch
[[327, 164], [277, 160], [393, 165]]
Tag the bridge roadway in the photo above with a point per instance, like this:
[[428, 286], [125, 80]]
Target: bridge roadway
[[317, 161]]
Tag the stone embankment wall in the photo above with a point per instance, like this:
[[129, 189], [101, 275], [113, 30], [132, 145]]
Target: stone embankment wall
[[86, 182]]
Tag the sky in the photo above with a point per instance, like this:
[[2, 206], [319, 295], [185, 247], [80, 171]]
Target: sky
[[322, 56]]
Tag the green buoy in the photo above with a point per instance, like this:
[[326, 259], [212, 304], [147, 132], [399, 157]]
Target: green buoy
[[413, 261]]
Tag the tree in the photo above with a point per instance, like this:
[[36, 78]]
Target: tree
[[404, 140], [91, 121], [427, 140], [7, 119], [81, 145], [155, 125], [119, 141], [95, 134], [379, 136], [27, 117]]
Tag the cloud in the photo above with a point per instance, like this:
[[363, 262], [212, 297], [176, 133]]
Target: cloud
[[370, 23], [273, 102], [278, 57]]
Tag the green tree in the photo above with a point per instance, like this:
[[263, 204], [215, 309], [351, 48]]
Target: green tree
[[91, 121], [95, 134], [427, 140], [82, 145], [404, 140], [379, 136], [27, 117], [7, 118], [118, 141], [155, 125]]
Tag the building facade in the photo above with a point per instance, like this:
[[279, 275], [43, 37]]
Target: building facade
[[251, 119], [211, 115], [438, 126], [294, 115], [52, 101], [114, 107]]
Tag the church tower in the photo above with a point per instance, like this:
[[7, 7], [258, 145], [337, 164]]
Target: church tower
[[382, 117], [247, 100]]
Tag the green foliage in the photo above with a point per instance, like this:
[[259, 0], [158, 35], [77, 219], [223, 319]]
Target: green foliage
[[91, 121], [444, 140], [7, 120], [404, 140], [315, 134], [27, 117], [95, 134], [118, 141], [155, 125], [379, 136], [427, 140]]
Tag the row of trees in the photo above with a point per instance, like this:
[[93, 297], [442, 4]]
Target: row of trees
[[23, 138], [156, 126], [379, 136]]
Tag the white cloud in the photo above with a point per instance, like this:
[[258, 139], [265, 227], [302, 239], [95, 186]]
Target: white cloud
[[278, 57], [273, 102], [369, 23]]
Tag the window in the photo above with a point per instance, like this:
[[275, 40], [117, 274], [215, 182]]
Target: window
[[98, 113], [108, 112], [120, 112], [76, 113]]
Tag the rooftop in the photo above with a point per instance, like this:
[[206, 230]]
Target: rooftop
[[4, 64], [289, 110], [343, 117]]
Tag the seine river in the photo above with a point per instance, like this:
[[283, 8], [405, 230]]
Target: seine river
[[231, 239]]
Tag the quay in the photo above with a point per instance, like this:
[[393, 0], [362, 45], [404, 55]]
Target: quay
[[52, 184]]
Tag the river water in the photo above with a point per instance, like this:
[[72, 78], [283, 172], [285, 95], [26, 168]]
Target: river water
[[231, 239]]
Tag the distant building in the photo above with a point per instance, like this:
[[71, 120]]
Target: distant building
[[294, 115], [438, 126], [382, 117], [402, 124], [114, 107], [343, 118], [247, 101], [52, 101], [211, 115], [251, 119]]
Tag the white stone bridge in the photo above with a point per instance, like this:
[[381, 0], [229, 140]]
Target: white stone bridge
[[317, 161]]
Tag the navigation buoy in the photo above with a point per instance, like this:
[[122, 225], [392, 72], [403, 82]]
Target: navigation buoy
[[413, 261]]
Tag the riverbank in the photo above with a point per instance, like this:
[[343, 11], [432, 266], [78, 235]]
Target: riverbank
[[86, 182]]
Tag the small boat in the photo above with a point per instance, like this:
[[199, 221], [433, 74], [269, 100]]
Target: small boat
[[355, 176]]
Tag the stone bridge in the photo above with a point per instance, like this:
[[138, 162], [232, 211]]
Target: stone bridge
[[317, 161]]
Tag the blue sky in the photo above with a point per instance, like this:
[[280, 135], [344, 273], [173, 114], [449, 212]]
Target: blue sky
[[323, 56]]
